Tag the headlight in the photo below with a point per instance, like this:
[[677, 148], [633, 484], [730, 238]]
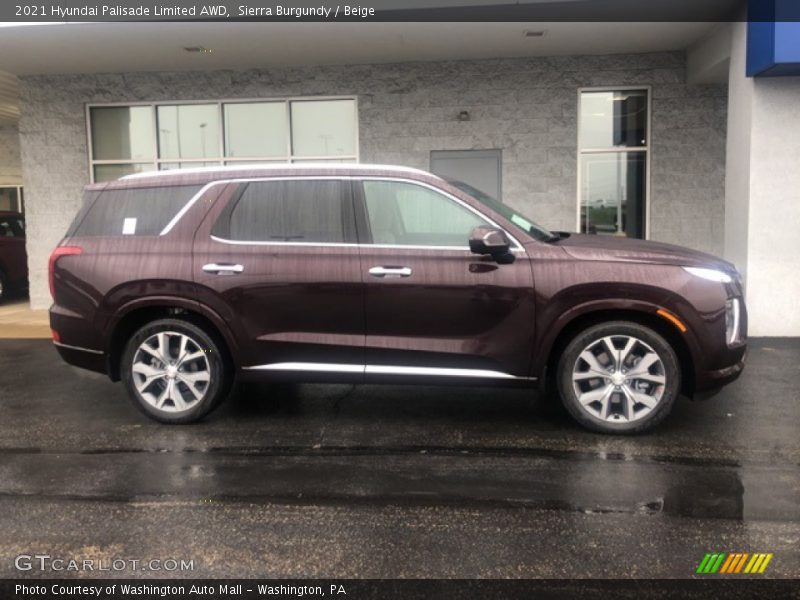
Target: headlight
[[732, 321], [709, 274]]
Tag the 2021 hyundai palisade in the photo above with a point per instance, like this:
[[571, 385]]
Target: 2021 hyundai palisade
[[177, 283]]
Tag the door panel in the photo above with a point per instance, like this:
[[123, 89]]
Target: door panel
[[289, 302], [455, 310], [439, 307]]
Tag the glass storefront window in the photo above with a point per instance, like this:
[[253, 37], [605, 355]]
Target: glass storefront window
[[109, 172], [122, 133], [613, 186], [188, 131], [613, 153], [323, 128], [256, 130], [163, 136], [614, 119]]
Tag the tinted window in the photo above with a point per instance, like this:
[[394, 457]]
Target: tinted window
[[406, 214], [138, 211], [290, 211]]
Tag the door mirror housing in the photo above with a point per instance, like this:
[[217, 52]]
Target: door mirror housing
[[491, 241]]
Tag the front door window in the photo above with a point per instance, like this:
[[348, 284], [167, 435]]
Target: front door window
[[405, 214]]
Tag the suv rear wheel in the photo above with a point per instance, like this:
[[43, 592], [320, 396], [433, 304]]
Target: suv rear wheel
[[174, 371], [619, 377]]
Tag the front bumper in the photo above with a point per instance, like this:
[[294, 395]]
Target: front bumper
[[708, 383]]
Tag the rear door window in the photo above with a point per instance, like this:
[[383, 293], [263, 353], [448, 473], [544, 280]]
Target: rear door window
[[135, 211], [302, 211]]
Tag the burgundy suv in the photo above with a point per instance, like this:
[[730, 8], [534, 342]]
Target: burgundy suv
[[180, 282]]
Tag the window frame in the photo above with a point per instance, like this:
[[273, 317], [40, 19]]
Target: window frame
[[360, 214], [220, 159], [648, 89]]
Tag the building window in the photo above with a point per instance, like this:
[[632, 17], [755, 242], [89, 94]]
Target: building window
[[11, 198], [613, 162], [169, 135]]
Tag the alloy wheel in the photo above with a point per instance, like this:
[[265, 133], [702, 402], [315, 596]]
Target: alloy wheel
[[171, 371], [619, 378]]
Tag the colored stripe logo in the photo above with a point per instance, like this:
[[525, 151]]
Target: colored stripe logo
[[734, 562]]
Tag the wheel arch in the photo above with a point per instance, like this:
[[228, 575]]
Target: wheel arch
[[580, 320], [145, 310]]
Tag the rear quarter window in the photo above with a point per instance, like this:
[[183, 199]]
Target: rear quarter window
[[135, 211]]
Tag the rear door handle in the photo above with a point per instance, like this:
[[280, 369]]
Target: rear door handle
[[218, 269], [390, 271]]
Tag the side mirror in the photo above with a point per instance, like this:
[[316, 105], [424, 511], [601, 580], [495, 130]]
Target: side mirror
[[491, 241]]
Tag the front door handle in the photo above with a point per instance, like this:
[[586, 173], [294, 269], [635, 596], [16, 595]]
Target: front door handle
[[390, 271], [218, 269]]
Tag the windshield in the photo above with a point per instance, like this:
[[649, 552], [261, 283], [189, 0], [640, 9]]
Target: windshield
[[536, 231]]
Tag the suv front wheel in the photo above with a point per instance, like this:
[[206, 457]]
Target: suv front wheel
[[619, 377], [174, 372]]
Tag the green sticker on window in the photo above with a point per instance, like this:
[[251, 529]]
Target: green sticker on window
[[517, 220]]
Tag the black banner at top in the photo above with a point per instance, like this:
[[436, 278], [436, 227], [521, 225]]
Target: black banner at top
[[41, 11]]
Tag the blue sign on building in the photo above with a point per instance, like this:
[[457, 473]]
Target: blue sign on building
[[773, 38]]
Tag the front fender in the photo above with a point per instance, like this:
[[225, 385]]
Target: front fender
[[615, 308]]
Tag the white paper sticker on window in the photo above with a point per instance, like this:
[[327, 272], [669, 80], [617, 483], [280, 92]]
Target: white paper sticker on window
[[129, 226]]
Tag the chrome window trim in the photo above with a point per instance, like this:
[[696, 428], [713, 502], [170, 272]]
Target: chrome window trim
[[518, 248], [179, 215], [309, 367], [70, 347]]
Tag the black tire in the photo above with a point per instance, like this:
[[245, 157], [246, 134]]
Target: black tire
[[215, 391], [3, 287], [585, 415]]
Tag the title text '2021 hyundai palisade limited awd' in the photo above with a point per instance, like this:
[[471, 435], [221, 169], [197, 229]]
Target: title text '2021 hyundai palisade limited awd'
[[178, 283]]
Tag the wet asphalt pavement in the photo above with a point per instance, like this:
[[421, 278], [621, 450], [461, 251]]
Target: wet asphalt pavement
[[369, 481]]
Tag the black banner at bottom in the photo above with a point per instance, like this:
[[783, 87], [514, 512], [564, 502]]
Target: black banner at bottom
[[384, 589]]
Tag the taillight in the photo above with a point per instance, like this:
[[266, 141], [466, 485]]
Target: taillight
[[58, 253]]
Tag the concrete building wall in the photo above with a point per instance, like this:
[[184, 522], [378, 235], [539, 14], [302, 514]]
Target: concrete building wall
[[526, 107], [763, 193], [773, 261], [737, 170], [10, 163]]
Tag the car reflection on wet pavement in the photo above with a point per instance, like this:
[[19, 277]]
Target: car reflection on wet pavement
[[368, 481]]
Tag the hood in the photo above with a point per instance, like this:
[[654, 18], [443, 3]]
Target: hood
[[610, 248]]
